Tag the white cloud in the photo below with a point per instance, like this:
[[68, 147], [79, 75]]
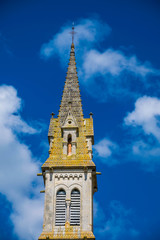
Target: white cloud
[[103, 73], [146, 152], [104, 150], [18, 168], [144, 127], [142, 138], [27, 218], [112, 62], [137, 147], [88, 32], [113, 73], [146, 115], [118, 224]]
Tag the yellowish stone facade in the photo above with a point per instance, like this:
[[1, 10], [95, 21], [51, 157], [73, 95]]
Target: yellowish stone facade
[[65, 170]]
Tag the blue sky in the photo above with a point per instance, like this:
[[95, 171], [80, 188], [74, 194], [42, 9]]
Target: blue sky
[[117, 55]]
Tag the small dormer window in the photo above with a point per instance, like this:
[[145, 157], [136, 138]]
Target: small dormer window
[[69, 147]]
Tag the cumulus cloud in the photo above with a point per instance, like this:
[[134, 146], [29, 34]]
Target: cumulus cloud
[[146, 115], [18, 168], [144, 126], [104, 150], [27, 219], [103, 73], [142, 142], [118, 224]]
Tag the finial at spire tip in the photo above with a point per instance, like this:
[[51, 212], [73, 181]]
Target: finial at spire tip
[[73, 32], [73, 25], [52, 114]]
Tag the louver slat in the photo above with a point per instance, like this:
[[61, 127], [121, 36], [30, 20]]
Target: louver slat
[[75, 208], [60, 208]]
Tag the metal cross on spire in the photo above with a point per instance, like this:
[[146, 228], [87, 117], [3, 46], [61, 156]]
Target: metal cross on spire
[[73, 32]]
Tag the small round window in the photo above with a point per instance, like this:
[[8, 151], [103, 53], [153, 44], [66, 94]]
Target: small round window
[[69, 122]]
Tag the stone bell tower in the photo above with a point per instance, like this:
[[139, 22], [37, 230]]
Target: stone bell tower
[[69, 173]]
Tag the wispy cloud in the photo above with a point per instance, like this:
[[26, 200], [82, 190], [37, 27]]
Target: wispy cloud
[[113, 73], [118, 224], [147, 153], [88, 33], [18, 168], [104, 150], [113, 62], [4, 46], [138, 147], [104, 73], [98, 214]]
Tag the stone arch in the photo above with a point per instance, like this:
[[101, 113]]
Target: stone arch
[[75, 185], [61, 186]]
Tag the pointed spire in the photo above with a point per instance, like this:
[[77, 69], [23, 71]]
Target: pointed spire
[[71, 94]]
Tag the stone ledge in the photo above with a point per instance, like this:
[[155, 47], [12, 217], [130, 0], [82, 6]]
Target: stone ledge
[[67, 236]]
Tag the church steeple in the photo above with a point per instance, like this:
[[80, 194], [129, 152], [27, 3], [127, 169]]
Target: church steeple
[[70, 107], [71, 94], [69, 173]]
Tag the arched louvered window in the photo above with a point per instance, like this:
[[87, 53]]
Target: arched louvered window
[[75, 208], [60, 208]]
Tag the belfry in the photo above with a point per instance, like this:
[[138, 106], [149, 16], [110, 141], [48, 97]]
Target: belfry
[[69, 173]]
